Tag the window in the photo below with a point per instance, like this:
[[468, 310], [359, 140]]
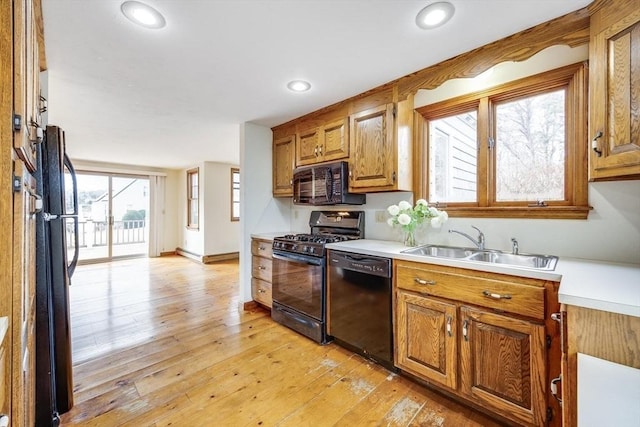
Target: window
[[192, 198], [235, 194], [516, 150]]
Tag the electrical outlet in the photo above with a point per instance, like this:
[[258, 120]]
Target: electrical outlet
[[381, 216]]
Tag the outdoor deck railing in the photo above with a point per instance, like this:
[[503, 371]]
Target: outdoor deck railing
[[94, 233]]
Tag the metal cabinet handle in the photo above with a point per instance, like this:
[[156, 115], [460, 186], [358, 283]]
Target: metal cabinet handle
[[262, 267], [320, 149], [554, 388], [449, 325], [261, 248], [261, 291], [315, 151], [420, 281], [465, 330], [594, 144], [495, 296]]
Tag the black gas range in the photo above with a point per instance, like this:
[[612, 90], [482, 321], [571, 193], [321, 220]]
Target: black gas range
[[299, 271]]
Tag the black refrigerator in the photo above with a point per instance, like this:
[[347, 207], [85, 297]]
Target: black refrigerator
[[55, 225]]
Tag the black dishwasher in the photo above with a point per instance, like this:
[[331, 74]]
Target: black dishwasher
[[359, 305]]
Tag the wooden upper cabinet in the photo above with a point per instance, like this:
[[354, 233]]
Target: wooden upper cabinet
[[371, 139], [614, 86], [380, 141], [283, 164], [322, 143], [307, 147], [503, 365]]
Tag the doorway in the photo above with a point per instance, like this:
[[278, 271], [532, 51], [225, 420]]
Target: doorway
[[113, 216]]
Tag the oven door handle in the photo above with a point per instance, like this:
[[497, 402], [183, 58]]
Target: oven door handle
[[300, 259]]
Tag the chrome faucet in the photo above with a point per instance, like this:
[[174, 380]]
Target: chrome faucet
[[514, 246], [479, 243]]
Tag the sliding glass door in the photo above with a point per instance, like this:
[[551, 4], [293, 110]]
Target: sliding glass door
[[114, 214]]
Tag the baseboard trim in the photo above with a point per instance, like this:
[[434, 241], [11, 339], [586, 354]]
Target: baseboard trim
[[190, 255], [250, 306], [208, 259], [170, 253]]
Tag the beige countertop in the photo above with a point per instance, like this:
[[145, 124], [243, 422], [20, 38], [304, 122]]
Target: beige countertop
[[591, 284]]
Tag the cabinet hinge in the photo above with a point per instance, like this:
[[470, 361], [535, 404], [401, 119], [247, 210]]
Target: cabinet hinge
[[393, 177], [492, 143], [17, 122], [394, 111], [548, 341], [549, 414], [17, 183]]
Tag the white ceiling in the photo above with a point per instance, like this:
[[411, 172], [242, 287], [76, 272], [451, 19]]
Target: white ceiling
[[175, 97]]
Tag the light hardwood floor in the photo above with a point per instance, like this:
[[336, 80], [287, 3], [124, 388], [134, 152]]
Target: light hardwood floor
[[162, 342]]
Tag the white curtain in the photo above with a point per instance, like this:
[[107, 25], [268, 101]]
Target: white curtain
[[156, 217]]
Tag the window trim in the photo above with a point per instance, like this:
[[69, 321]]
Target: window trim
[[190, 198], [233, 171], [575, 206]]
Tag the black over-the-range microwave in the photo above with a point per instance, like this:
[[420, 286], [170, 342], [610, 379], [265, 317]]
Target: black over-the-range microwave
[[325, 184]]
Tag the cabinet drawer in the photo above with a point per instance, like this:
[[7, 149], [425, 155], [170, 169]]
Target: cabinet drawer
[[491, 290], [261, 268], [261, 248], [261, 291]]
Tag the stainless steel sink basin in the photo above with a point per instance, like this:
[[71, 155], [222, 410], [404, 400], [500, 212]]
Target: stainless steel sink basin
[[539, 262], [440, 251]]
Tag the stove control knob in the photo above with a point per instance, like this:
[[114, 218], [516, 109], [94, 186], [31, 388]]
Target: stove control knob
[[312, 250]]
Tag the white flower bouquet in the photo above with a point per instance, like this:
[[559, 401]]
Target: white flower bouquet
[[410, 217]]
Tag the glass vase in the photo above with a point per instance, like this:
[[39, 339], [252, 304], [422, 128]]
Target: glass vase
[[409, 238]]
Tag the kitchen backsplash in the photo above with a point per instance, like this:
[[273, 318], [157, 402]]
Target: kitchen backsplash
[[611, 233]]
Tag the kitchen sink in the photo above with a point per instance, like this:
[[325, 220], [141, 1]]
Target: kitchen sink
[[441, 251], [539, 262]]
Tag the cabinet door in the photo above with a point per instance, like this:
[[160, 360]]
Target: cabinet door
[[615, 94], [23, 316], [5, 370], [372, 164], [426, 338], [261, 291], [502, 365], [308, 147], [335, 144], [283, 160]]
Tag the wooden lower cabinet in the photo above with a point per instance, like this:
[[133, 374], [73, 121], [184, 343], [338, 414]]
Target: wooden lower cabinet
[[610, 336], [491, 358], [502, 364], [261, 271], [426, 339]]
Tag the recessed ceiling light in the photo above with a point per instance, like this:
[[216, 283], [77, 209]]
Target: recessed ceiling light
[[299, 86], [434, 15], [143, 14]]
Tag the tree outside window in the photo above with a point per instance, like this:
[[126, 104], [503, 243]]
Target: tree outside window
[[512, 151]]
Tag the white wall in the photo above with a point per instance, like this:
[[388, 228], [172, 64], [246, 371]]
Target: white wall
[[216, 233], [221, 235], [259, 211]]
